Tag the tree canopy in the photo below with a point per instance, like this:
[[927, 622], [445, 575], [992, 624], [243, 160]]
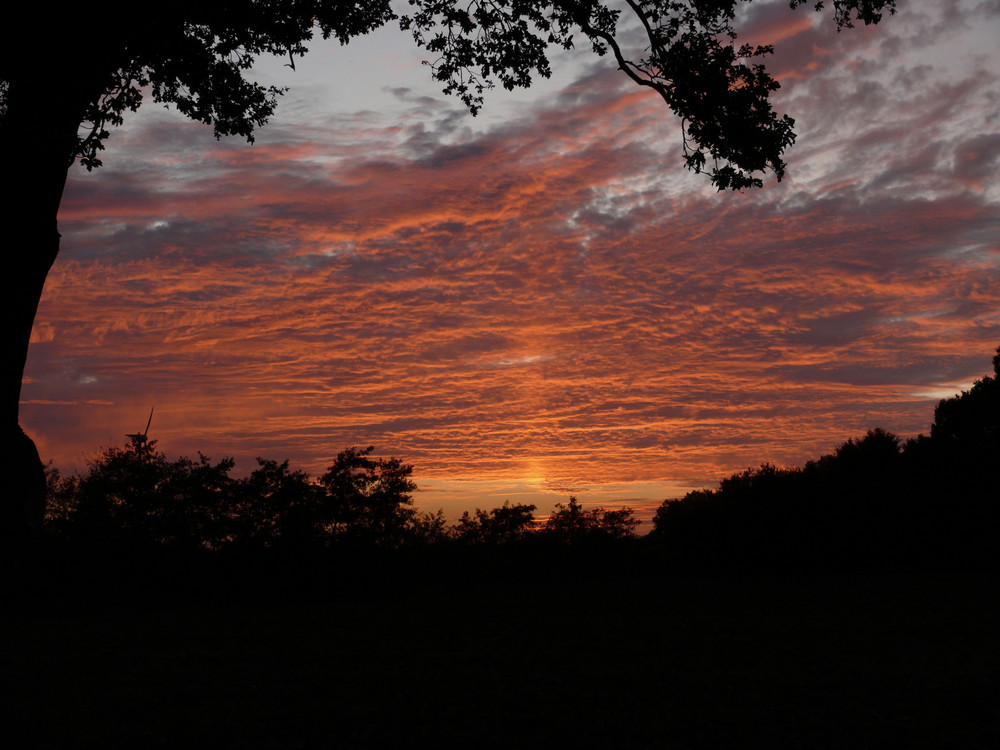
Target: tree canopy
[[928, 500]]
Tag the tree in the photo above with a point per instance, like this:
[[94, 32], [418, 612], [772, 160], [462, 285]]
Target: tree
[[367, 500], [973, 417], [141, 498], [959, 462], [572, 522], [274, 505], [503, 525], [59, 98], [62, 495], [930, 502], [428, 529]]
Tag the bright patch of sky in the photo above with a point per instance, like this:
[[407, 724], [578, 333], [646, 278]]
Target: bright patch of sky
[[384, 75]]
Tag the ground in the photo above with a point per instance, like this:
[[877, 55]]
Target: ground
[[501, 654]]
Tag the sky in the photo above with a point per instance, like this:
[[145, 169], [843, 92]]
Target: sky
[[539, 301]]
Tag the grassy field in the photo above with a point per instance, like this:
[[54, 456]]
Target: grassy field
[[504, 654]]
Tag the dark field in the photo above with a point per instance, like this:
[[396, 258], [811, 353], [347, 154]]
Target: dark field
[[501, 653]]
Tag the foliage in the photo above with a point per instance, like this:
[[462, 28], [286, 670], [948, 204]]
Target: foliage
[[974, 416], [136, 496], [274, 506], [428, 529], [572, 522], [691, 60], [195, 57], [62, 493], [873, 500], [503, 525], [143, 498], [367, 500]]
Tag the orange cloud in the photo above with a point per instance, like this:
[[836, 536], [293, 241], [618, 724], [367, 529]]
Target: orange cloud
[[550, 304]]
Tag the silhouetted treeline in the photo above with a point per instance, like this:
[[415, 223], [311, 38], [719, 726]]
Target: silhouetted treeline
[[931, 500], [875, 500], [134, 496]]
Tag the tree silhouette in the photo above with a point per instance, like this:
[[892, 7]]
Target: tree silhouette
[[58, 101], [428, 529], [63, 494], [973, 417], [275, 505], [367, 500], [931, 501], [503, 525], [958, 463], [573, 523], [144, 499]]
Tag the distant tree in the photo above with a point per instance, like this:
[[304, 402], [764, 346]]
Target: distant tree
[[876, 450], [367, 500], [117, 495], [954, 472], [675, 513], [836, 510], [274, 505], [61, 90], [869, 502], [428, 529], [973, 417], [195, 497], [63, 497], [503, 525], [572, 522], [142, 498]]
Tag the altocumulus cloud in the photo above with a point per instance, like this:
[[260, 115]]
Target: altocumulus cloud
[[549, 302]]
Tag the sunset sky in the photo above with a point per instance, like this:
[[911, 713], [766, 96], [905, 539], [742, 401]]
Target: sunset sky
[[539, 301]]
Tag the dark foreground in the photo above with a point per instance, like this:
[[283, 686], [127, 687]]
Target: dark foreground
[[492, 652]]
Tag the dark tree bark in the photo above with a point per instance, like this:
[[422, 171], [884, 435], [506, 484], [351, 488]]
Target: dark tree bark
[[38, 129]]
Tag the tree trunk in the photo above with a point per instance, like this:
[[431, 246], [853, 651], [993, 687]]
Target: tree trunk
[[38, 129]]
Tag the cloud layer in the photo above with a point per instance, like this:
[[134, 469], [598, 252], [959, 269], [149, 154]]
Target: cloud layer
[[550, 304]]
